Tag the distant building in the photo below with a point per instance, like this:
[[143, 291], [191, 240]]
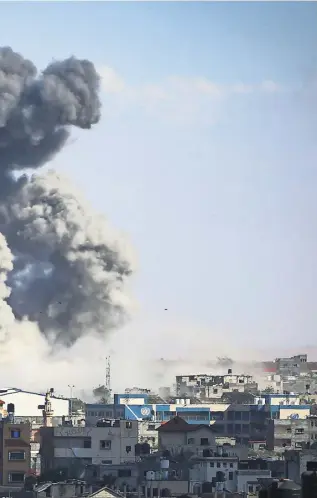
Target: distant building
[[15, 458], [292, 366], [205, 386], [292, 433]]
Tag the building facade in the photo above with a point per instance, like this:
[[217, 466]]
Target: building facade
[[292, 433], [227, 473], [205, 386], [76, 447], [15, 458]]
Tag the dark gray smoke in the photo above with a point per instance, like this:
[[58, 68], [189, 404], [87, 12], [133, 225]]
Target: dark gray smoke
[[69, 268]]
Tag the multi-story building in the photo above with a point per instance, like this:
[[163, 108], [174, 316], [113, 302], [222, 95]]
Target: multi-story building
[[292, 366], [147, 433], [292, 433], [205, 386], [76, 447], [227, 472], [247, 423], [177, 436], [15, 452]]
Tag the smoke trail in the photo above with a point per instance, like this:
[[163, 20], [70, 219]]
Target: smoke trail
[[69, 269]]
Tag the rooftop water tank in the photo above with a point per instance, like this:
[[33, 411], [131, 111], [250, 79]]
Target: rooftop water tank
[[309, 484], [286, 489]]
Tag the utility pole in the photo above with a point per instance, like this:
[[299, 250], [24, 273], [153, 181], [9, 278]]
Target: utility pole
[[71, 387]]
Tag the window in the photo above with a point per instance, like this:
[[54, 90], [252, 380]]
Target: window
[[106, 462], [105, 444], [16, 477], [204, 441], [16, 455], [231, 464], [224, 464], [87, 443], [211, 464], [215, 391], [15, 433], [128, 425], [151, 427], [230, 475], [128, 449], [250, 489], [218, 465], [191, 440]]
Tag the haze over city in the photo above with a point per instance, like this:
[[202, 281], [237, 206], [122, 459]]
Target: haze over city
[[205, 159]]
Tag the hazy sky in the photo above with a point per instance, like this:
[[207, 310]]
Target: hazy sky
[[205, 157]]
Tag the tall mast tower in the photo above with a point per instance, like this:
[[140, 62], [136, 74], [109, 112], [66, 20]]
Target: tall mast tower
[[108, 376]]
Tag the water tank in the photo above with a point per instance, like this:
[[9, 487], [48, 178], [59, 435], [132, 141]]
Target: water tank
[[309, 484], [286, 489], [165, 464], [10, 408], [150, 475]]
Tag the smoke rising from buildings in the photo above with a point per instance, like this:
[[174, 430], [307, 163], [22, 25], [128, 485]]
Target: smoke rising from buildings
[[62, 268]]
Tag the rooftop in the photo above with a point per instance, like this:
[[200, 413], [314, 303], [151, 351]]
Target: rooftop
[[178, 424]]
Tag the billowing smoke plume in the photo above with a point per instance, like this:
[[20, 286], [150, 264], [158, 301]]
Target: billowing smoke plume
[[61, 266]]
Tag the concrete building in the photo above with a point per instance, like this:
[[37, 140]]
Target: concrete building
[[205, 386], [292, 433], [292, 366], [15, 458], [227, 473], [272, 381], [76, 447], [147, 433], [178, 437]]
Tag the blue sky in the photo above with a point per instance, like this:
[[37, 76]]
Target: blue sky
[[205, 157]]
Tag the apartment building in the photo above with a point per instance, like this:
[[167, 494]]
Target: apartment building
[[74, 448], [177, 436], [226, 472], [213, 386], [292, 433], [15, 457]]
